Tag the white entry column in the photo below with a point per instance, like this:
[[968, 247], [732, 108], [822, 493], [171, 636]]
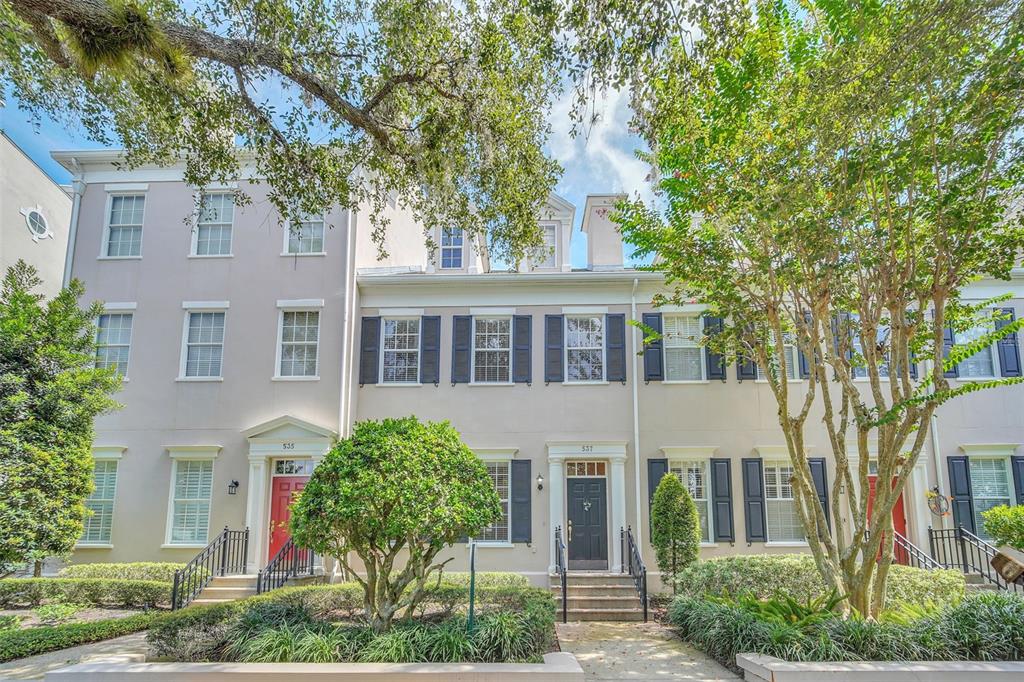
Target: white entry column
[[617, 483], [556, 501], [256, 503]]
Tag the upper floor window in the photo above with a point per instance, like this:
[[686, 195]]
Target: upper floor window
[[584, 347], [306, 236], [991, 486], [499, 530], [693, 474], [684, 357], [98, 525], [213, 227], [783, 521], [400, 357], [124, 228], [113, 341], [981, 365], [300, 336], [492, 349], [792, 354], [204, 344], [452, 240], [547, 256]]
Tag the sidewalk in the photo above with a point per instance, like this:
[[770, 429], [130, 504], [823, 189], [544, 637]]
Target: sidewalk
[[36, 667], [636, 651]]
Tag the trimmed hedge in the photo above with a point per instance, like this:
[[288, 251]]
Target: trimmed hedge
[[487, 579], [162, 571], [40, 640], [766, 575], [983, 627], [21, 592]]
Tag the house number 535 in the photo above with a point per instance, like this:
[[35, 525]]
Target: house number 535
[[288, 446]]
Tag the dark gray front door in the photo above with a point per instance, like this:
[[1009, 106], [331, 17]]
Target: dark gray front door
[[588, 524]]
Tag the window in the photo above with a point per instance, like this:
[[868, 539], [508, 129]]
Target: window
[[584, 348], [990, 485], [584, 469], [981, 365], [401, 356], [190, 506], [306, 236], [451, 247], [861, 372], [294, 467], [693, 475], [204, 344], [546, 256], [124, 231], [492, 349], [783, 520], [97, 526], [213, 227], [684, 357], [36, 223], [792, 359], [113, 341], [499, 531], [300, 333]]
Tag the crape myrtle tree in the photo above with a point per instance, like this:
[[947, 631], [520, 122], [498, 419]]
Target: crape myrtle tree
[[438, 102], [394, 494], [50, 392], [675, 528], [832, 175]]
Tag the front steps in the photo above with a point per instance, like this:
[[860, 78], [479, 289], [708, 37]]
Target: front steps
[[227, 588], [976, 582], [598, 596]]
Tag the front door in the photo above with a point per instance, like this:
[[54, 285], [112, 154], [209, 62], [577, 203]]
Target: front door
[[899, 519], [283, 490], [587, 528]]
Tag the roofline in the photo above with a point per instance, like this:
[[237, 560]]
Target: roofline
[[504, 278], [33, 162]]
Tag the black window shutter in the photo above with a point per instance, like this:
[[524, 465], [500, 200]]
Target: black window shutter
[[553, 334], [913, 366], [715, 362], [819, 474], [430, 349], [805, 366], [721, 501], [369, 350], [615, 347], [520, 518], [746, 369], [522, 340], [753, 500], [656, 468], [948, 341], [654, 361], [1009, 353], [1017, 466], [960, 491], [462, 347]]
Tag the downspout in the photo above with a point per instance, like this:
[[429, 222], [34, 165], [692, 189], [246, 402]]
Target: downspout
[[350, 318], [638, 531], [77, 188], [344, 390]]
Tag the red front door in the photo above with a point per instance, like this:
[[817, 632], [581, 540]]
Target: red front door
[[899, 518], [283, 491]]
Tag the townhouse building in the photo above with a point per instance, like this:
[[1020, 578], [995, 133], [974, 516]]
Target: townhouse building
[[247, 348]]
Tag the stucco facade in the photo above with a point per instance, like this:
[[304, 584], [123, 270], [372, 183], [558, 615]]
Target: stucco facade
[[252, 430]]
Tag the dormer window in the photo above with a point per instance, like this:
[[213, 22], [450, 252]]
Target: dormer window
[[452, 240], [547, 256]]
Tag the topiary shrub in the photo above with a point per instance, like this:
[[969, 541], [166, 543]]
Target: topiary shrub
[[159, 571], [1005, 525], [675, 528]]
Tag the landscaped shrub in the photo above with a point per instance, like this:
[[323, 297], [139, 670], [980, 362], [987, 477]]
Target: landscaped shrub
[[20, 592], [39, 640], [766, 575], [1005, 525], [487, 579], [162, 571], [58, 612], [979, 628], [675, 528]]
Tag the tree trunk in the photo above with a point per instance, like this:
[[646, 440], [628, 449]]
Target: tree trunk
[[37, 569]]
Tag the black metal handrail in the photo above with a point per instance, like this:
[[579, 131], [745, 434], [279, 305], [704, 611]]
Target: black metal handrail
[[289, 562], [561, 571], [962, 549], [906, 553], [224, 555], [634, 565]]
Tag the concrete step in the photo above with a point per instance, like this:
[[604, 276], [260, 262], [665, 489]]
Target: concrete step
[[214, 591], [202, 600], [593, 579], [576, 603], [613, 615], [975, 579], [234, 580], [596, 590]]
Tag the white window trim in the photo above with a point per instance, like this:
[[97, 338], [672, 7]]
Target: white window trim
[[194, 244], [997, 367], [281, 310], [118, 309], [703, 356], [682, 456], [494, 458], [419, 350], [472, 355], [557, 253], [462, 249], [796, 366], [565, 350], [190, 307], [775, 461], [1011, 487], [287, 234], [122, 191], [107, 454], [190, 453]]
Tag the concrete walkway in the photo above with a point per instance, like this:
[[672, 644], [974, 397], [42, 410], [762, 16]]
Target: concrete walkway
[[36, 667], [636, 651]]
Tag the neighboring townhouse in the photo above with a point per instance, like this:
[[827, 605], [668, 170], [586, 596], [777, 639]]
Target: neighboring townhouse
[[34, 216], [247, 349]]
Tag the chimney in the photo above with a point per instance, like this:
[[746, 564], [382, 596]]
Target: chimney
[[604, 243]]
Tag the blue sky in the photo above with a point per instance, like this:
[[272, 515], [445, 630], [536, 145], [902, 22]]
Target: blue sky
[[601, 161]]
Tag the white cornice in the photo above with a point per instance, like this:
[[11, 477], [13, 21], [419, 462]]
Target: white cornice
[[490, 454], [689, 451], [989, 449], [586, 449], [193, 451], [777, 451], [108, 451]]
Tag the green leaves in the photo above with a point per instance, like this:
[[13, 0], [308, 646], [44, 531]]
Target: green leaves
[[675, 528]]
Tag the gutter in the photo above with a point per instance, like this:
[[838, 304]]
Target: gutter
[[638, 535], [77, 188]]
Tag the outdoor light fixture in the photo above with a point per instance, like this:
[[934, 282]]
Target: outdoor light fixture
[[232, 487], [540, 482]]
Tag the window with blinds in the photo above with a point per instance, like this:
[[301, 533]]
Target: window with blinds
[[499, 531], [190, 513], [99, 523], [991, 487], [783, 521], [694, 475], [684, 357]]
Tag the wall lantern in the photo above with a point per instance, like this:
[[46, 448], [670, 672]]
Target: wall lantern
[[232, 487], [540, 482]]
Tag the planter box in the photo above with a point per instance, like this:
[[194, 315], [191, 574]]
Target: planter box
[[758, 668], [557, 667]]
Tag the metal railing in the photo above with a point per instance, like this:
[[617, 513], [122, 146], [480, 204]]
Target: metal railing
[[907, 553], [633, 563], [225, 555], [289, 562], [960, 548], [561, 571]]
